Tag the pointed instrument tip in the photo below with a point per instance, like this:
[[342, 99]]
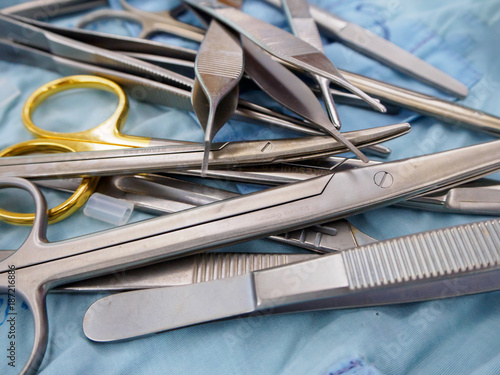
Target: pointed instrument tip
[[374, 103], [339, 137], [206, 155]]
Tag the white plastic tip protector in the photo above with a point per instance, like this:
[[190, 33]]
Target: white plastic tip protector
[[111, 210]]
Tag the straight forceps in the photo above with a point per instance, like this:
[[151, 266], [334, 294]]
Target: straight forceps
[[412, 268], [40, 265]]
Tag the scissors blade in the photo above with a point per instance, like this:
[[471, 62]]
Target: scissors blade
[[373, 46], [218, 70], [161, 158], [281, 44], [353, 278]]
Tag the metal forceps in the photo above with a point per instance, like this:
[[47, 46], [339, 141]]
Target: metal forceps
[[40, 265]]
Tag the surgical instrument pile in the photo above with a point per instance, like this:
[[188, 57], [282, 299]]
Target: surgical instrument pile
[[286, 190]]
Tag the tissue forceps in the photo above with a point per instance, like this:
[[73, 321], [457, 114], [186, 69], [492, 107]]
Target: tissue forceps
[[443, 263], [281, 44], [40, 265]]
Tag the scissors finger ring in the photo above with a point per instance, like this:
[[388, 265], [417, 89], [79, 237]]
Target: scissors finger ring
[[63, 210]]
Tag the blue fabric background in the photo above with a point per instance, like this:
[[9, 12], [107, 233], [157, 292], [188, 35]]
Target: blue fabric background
[[454, 336]]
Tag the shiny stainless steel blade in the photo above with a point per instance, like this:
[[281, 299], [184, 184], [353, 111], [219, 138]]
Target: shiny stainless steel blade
[[405, 269], [369, 44]]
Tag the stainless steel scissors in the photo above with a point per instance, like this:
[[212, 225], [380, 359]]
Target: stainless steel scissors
[[108, 136], [40, 265], [158, 194], [161, 158], [161, 194]]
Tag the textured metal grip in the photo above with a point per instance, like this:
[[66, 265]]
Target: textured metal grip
[[220, 266], [435, 253]]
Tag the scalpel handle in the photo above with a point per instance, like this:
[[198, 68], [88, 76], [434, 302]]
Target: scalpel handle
[[427, 105]]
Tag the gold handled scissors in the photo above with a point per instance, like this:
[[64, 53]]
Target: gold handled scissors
[[105, 136]]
